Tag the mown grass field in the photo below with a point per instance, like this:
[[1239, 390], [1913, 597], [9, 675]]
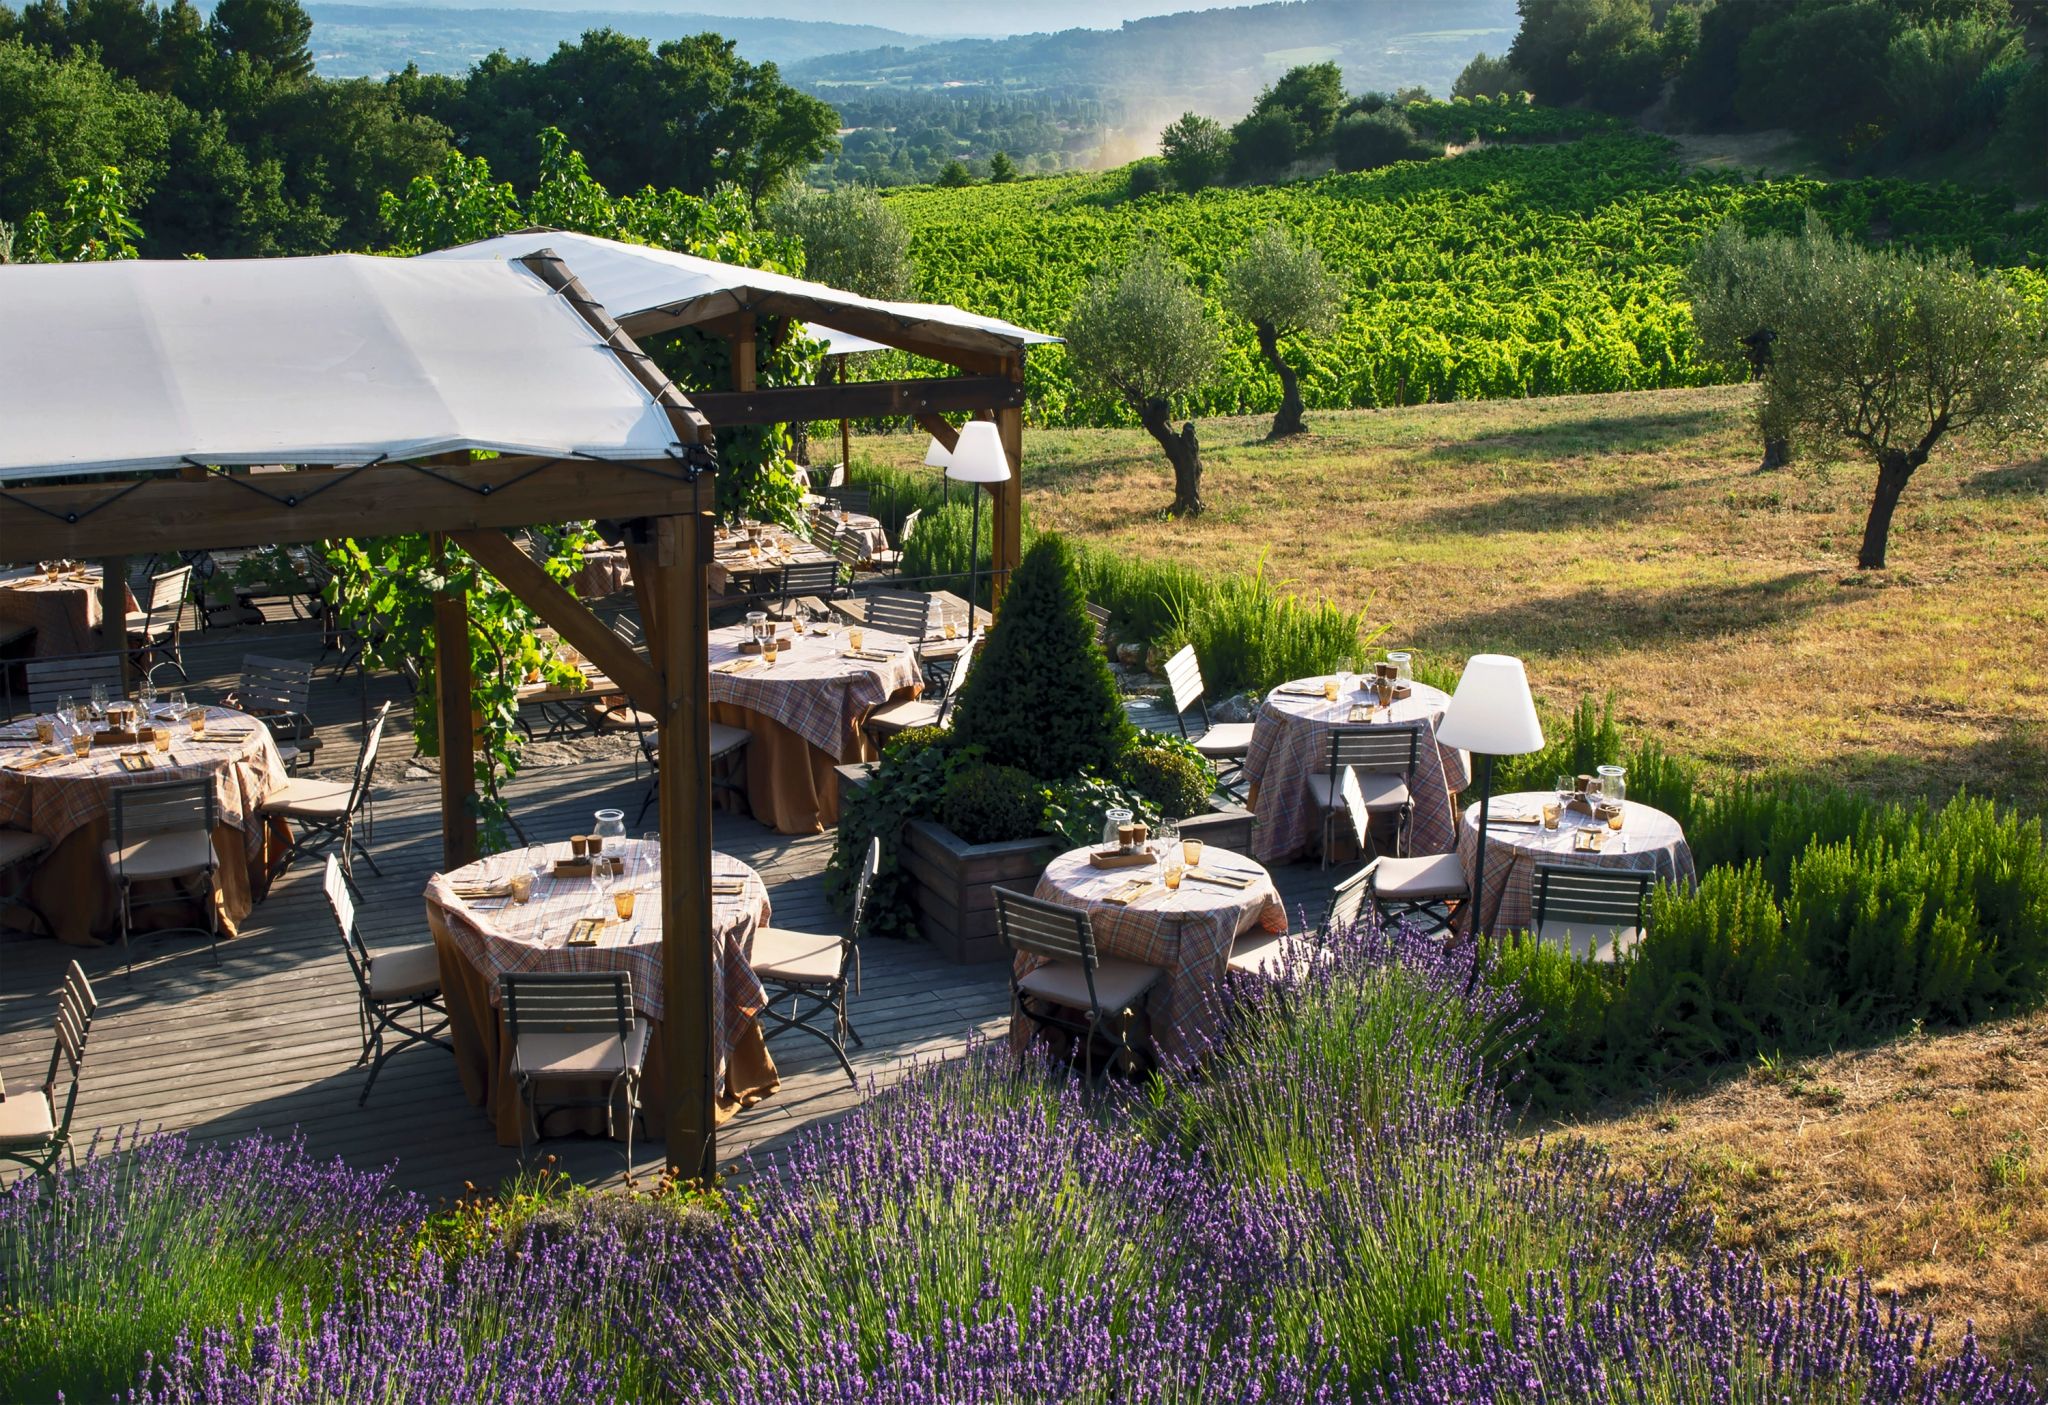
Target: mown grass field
[[1625, 543]]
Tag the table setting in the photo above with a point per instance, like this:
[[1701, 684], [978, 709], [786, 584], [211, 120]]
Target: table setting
[[748, 556], [59, 770], [803, 690], [1584, 820], [1170, 902], [591, 902], [60, 600], [1290, 743]]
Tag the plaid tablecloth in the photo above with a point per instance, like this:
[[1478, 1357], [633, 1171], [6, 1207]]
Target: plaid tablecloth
[[1648, 838], [866, 530], [70, 794], [498, 936], [1290, 743], [812, 688], [1187, 931], [66, 615]]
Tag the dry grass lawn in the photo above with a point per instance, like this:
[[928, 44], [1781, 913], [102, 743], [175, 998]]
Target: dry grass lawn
[[1626, 543], [1925, 1161]]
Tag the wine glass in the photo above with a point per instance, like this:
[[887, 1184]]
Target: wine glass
[[1168, 835], [99, 700], [601, 879], [537, 861]]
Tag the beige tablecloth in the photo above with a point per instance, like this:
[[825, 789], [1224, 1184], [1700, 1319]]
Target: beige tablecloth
[[805, 712], [1188, 932], [1291, 742], [1648, 838], [66, 615], [479, 941], [69, 802]]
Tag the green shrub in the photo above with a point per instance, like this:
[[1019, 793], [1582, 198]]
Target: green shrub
[[1041, 696], [911, 740], [1567, 1060], [894, 493], [1076, 808], [1248, 634], [1170, 774], [1147, 177], [937, 555], [987, 804], [903, 788], [1137, 593]]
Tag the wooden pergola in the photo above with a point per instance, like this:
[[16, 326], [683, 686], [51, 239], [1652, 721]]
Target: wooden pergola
[[473, 502]]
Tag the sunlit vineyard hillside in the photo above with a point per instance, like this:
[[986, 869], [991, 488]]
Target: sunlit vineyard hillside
[[1505, 271]]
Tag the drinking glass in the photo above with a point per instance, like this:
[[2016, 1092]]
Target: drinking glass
[[197, 718], [1565, 786], [178, 703], [1329, 690], [854, 638], [1168, 835], [600, 878], [952, 627], [537, 860], [522, 888], [1191, 852], [46, 731], [160, 738], [1174, 873], [81, 744], [67, 708], [622, 903], [99, 700], [768, 651], [50, 570], [1551, 810]]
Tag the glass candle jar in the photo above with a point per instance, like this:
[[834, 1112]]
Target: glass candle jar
[[1404, 665], [1113, 822], [1613, 785]]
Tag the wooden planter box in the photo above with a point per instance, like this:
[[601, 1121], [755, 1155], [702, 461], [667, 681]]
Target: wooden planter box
[[953, 885]]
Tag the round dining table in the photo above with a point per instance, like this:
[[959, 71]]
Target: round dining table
[[1516, 842], [1291, 742], [805, 712], [481, 934], [1186, 931], [65, 612], [69, 801]]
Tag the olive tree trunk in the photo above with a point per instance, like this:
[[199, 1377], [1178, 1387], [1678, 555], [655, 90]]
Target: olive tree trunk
[[1289, 420], [1181, 451], [1894, 469]]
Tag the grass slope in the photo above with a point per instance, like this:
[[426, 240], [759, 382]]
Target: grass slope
[[1626, 543]]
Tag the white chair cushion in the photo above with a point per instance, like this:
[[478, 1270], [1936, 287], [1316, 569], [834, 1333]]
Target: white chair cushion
[[901, 716], [626, 719], [1119, 985], [1382, 790], [545, 1055], [1435, 876], [725, 740], [162, 855], [26, 1120], [300, 798], [403, 974], [1255, 952], [1587, 941], [18, 846], [1225, 739], [795, 958]]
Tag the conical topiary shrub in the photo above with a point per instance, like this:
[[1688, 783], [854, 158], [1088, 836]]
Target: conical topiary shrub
[[1041, 696]]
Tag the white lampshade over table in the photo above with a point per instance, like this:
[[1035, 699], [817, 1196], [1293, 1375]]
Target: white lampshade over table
[[978, 457], [1492, 712], [938, 456]]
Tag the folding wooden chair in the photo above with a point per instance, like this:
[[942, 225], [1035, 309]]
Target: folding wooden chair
[[164, 833], [390, 986], [1595, 913], [1381, 758], [323, 813], [1225, 744], [811, 971], [1109, 993], [574, 1028], [35, 1130]]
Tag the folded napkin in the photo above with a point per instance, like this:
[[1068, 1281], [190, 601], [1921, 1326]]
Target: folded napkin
[[867, 655], [1222, 877], [1498, 813], [1291, 691], [736, 665], [1129, 892], [137, 761], [728, 887], [500, 888], [35, 762]]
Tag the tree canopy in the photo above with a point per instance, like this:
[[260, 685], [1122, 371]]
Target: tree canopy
[[851, 240], [1282, 287]]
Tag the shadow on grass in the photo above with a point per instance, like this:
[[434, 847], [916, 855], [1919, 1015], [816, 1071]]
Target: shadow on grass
[[1601, 620], [1538, 510], [2010, 765], [2026, 478], [1590, 433]]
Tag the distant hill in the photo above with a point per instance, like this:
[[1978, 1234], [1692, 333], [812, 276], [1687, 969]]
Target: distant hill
[[353, 41], [1209, 60], [947, 17]]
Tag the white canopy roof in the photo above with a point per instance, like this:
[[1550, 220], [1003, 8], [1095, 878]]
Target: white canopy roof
[[634, 280], [148, 364]]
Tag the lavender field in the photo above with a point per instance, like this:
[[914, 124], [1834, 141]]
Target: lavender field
[[1330, 1209]]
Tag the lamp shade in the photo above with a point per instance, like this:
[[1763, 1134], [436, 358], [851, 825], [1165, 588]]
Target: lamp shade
[[979, 456], [938, 456], [1492, 711]]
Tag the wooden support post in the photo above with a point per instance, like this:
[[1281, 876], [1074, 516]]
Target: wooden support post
[[743, 355], [682, 550], [114, 611], [452, 689], [845, 425], [1009, 539]]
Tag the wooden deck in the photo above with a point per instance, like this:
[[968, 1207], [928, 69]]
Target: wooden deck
[[268, 1040]]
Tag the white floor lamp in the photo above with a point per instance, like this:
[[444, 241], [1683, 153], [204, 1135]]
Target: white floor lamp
[[978, 458], [940, 457], [1490, 715]]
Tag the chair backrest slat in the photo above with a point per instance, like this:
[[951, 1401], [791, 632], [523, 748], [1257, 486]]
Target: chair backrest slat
[[342, 903], [870, 866], [958, 680], [167, 592], [169, 807], [1372, 748], [905, 614], [852, 499], [274, 685], [1101, 618], [51, 679], [1347, 900], [1184, 677], [1600, 898], [848, 550], [1354, 806], [568, 1002], [1045, 928], [366, 760], [910, 525], [809, 578]]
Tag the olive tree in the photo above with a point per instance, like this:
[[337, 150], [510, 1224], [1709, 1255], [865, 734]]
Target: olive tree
[[1879, 352], [851, 239], [1141, 334], [1284, 290]]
